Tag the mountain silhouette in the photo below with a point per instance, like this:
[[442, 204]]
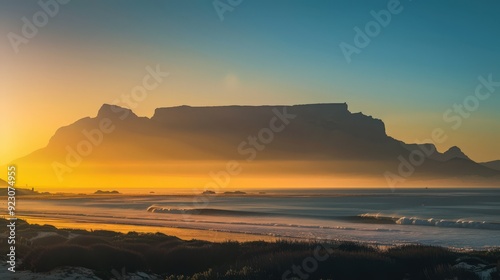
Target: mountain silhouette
[[492, 164], [311, 139], [452, 153]]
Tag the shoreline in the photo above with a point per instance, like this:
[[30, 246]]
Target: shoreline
[[461, 220], [100, 254], [211, 235], [179, 232]]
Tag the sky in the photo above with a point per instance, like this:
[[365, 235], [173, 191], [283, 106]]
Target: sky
[[415, 68]]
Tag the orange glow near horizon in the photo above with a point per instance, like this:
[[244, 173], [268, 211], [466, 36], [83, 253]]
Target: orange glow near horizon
[[33, 120]]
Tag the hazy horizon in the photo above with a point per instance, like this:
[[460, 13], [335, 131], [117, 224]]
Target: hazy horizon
[[250, 139]]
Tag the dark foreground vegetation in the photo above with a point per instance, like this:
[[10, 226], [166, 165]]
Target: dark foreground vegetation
[[172, 258]]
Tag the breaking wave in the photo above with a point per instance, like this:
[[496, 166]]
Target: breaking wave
[[460, 223], [202, 211]]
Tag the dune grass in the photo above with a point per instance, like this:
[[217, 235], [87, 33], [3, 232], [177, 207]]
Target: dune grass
[[177, 259]]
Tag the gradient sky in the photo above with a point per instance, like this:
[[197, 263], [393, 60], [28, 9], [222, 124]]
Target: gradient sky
[[264, 52]]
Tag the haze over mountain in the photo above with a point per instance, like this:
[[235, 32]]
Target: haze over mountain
[[492, 164], [311, 145]]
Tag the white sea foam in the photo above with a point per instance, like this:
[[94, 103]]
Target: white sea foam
[[460, 223], [409, 216]]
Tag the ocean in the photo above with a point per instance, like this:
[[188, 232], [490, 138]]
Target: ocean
[[457, 218]]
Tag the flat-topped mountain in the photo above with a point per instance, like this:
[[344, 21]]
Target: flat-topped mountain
[[316, 140]]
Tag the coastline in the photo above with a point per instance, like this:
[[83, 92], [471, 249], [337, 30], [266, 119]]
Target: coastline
[[185, 233], [181, 233], [453, 219], [48, 252]]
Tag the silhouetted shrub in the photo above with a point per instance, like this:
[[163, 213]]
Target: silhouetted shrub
[[105, 233], [360, 265], [85, 240], [22, 250], [448, 272], [136, 247], [103, 251], [355, 246], [109, 257], [170, 243], [49, 240], [496, 276], [62, 255]]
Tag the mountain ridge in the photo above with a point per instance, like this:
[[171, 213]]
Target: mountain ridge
[[495, 164], [327, 136]]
